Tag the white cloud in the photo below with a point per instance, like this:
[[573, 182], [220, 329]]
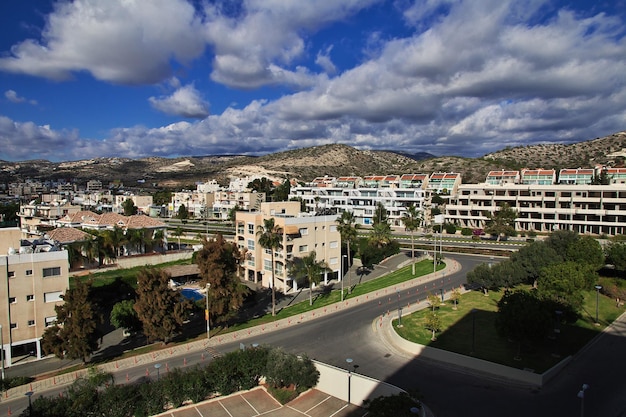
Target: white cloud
[[120, 41], [324, 61], [13, 97], [185, 101]]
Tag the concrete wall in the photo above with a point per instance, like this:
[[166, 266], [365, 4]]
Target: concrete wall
[[141, 260], [334, 381]]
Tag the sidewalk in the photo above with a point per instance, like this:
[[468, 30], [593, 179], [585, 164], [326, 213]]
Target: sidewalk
[[198, 346]]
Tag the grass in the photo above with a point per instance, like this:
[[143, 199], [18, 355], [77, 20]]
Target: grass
[[474, 334], [321, 300]]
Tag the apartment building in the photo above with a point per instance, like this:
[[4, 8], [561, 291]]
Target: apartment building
[[361, 195], [37, 219], [225, 201], [142, 202], [34, 275], [301, 234], [593, 209]]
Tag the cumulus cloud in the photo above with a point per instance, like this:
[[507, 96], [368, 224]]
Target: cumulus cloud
[[127, 42], [471, 81], [13, 97], [324, 61], [185, 101]]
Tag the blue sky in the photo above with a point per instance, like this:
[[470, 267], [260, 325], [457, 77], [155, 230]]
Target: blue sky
[[128, 78]]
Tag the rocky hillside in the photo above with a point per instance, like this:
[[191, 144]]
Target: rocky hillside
[[308, 163]]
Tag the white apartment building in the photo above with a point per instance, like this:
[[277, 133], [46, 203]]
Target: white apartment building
[[37, 219], [361, 195], [301, 234], [142, 202], [593, 209], [34, 275]]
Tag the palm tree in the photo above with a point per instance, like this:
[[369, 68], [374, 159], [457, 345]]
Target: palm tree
[[412, 219], [136, 239], [347, 227], [158, 239], [115, 239], [270, 237], [178, 233], [310, 269], [381, 234]]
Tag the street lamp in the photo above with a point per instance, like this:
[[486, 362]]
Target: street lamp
[[157, 366], [208, 326], [2, 351], [598, 288], [349, 361], [581, 395], [30, 404], [342, 258]]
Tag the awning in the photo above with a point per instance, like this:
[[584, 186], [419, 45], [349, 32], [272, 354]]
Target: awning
[[292, 230]]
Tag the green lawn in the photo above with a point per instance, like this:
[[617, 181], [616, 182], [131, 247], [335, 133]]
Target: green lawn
[[465, 332]]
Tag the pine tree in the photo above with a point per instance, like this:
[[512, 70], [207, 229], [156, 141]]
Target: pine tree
[[74, 335], [218, 262], [160, 309]]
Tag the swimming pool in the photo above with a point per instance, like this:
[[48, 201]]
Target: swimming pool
[[191, 294]]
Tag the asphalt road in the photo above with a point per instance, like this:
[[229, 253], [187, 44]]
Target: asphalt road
[[448, 391]]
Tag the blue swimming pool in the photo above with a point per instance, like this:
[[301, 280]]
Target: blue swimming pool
[[191, 294]]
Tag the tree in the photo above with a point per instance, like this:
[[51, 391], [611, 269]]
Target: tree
[[433, 301], [616, 255], [433, 323], [586, 250], [136, 239], [129, 207], [124, 316], [533, 258], [560, 241], [182, 214], [412, 220], [269, 236], [380, 214], [178, 232], [161, 310], [310, 270], [232, 213], [563, 283], [502, 222], [348, 230], [218, 262], [281, 193], [114, 240], [158, 239], [507, 274], [523, 316], [162, 197], [262, 185], [455, 296], [482, 275], [74, 335], [380, 235]]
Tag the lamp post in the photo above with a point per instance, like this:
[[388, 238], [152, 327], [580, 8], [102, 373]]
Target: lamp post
[[157, 366], [598, 288], [581, 395], [342, 258], [30, 404], [2, 351], [349, 362], [208, 326]]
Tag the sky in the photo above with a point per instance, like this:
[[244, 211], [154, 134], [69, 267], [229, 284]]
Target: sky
[[134, 78]]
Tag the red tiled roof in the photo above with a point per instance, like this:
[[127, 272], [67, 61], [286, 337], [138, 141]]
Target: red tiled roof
[[68, 235]]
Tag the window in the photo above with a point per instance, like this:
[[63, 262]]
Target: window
[[52, 297], [31, 322], [50, 272], [250, 244], [14, 325], [334, 261], [303, 248], [11, 274], [304, 231], [50, 320], [30, 297], [334, 244], [333, 228], [11, 300], [267, 264], [29, 272], [251, 228]]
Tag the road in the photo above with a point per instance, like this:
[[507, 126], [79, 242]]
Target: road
[[448, 391]]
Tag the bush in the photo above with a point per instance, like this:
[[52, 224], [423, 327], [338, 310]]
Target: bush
[[466, 231], [450, 228], [9, 383]]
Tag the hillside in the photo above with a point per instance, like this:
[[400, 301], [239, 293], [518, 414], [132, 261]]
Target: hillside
[[307, 163]]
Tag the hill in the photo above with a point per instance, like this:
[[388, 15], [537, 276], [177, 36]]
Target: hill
[[307, 163]]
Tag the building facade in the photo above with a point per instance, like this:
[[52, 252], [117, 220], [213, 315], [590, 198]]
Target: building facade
[[301, 234], [34, 275]]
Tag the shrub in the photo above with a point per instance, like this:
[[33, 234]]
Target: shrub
[[466, 231], [450, 228]]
